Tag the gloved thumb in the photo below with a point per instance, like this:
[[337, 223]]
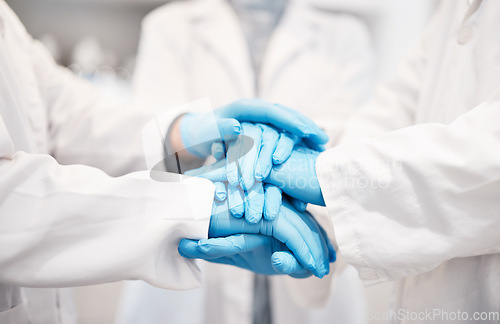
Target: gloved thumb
[[229, 128], [285, 263]]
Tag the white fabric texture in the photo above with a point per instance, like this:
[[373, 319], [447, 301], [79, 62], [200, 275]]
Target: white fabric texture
[[413, 187], [74, 224]]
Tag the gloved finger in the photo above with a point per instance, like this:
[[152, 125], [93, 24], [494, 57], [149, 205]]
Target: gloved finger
[[230, 245], [189, 249], [220, 191], [254, 203], [213, 172], [236, 201], [318, 135], [218, 150], [284, 147], [248, 161], [272, 201], [288, 234], [298, 204], [265, 161], [229, 128], [311, 234], [283, 118], [232, 161], [285, 263], [332, 254], [223, 224]]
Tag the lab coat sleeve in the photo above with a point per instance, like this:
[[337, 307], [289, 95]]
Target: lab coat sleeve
[[75, 225], [86, 127], [404, 202]]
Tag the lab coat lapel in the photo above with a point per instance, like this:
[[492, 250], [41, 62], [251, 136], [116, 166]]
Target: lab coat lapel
[[218, 29], [291, 39]]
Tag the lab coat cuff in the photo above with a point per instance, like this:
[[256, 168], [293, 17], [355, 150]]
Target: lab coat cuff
[[330, 170], [188, 218]]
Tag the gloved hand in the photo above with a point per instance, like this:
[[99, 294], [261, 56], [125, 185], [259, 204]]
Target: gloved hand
[[262, 200], [258, 253], [280, 117], [297, 230], [259, 200], [246, 165], [198, 132], [297, 176], [242, 156]]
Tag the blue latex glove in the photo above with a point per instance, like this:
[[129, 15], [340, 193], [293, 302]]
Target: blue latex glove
[[246, 196], [220, 191], [236, 200], [270, 139], [218, 151], [262, 201], [254, 203], [242, 156], [251, 157], [246, 165], [199, 131], [297, 176], [280, 117], [272, 202], [258, 253], [250, 203], [297, 204], [284, 147], [297, 230]]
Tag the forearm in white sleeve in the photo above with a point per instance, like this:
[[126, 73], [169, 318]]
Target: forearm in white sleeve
[[404, 202], [75, 225]]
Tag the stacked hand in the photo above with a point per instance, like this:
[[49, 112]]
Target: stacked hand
[[256, 162], [265, 247]]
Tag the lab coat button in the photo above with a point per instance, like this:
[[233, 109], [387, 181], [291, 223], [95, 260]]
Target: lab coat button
[[465, 35]]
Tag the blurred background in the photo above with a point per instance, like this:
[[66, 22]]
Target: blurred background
[[98, 39]]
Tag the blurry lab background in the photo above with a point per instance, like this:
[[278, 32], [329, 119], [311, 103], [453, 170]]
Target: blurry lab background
[[98, 39]]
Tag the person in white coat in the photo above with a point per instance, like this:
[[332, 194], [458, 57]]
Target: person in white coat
[[412, 188], [318, 62], [68, 214]]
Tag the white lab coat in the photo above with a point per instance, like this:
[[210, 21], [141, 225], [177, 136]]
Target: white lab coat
[[317, 62], [68, 225], [420, 204]]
